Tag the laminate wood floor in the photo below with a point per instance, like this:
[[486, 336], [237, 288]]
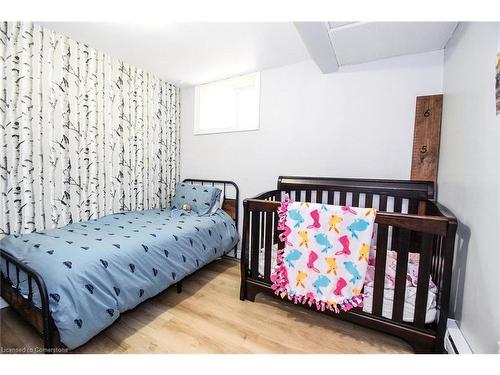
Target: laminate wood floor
[[208, 317]]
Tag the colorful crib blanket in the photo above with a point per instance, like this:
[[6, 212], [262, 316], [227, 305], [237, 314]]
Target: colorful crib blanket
[[325, 256]]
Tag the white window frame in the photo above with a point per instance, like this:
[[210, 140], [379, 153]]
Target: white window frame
[[198, 131]]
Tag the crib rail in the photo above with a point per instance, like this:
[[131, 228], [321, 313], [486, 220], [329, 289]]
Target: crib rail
[[423, 190], [404, 223]]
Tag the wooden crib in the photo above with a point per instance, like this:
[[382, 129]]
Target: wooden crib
[[407, 221]]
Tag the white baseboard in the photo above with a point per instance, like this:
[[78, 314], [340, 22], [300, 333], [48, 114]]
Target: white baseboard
[[454, 341], [3, 303]]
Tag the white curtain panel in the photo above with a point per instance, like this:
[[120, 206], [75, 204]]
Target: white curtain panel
[[82, 134]]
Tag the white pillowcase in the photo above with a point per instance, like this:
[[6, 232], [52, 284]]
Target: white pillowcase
[[218, 204]]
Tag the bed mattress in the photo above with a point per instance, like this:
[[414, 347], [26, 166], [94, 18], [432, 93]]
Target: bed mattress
[[98, 269]]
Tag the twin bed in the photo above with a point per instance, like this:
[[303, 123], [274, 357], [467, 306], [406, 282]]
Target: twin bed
[[72, 282]]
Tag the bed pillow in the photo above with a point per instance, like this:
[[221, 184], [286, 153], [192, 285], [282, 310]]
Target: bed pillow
[[218, 204], [200, 198]]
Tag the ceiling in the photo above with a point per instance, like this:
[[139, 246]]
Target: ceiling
[[192, 53], [336, 44], [360, 42]]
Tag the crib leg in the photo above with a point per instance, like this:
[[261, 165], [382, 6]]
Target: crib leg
[[243, 291], [179, 287], [250, 293], [419, 348]]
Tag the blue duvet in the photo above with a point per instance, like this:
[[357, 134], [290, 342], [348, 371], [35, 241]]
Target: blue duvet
[[95, 270]]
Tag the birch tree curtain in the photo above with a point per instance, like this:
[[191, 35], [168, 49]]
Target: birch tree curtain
[[82, 134]]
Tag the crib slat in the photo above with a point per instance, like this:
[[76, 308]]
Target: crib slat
[[435, 259], [254, 265], [424, 269], [262, 223], [17, 278], [355, 200], [382, 203], [380, 262], [398, 204], [331, 195], [401, 273], [440, 261], [369, 200], [268, 245], [415, 242], [297, 197], [308, 195], [277, 232], [434, 264], [319, 196], [343, 198]]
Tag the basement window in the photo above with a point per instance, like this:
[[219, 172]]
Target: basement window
[[228, 105]]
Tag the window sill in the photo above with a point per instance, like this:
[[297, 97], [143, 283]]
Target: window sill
[[221, 131]]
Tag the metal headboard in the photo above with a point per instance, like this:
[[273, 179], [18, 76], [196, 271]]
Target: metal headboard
[[230, 205]]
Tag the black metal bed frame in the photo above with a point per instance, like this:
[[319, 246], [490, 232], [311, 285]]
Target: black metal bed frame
[[6, 282], [222, 184], [40, 317]]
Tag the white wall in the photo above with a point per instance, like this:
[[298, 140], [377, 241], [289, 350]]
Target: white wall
[[469, 180], [357, 122]]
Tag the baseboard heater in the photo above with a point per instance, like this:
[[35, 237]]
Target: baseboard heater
[[454, 341]]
